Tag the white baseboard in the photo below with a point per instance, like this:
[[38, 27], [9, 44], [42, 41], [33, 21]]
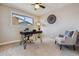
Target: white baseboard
[[5, 43]]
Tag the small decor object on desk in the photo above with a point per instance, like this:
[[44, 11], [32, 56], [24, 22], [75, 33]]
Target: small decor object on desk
[[51, 19]]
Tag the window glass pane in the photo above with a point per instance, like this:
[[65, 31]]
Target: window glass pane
[[29, 20], [23, 19], [18, 16]]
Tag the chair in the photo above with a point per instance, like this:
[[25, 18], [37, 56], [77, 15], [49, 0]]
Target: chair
[[69, 39]]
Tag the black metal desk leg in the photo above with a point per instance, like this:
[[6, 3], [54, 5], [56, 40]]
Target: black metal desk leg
[[25, 44]]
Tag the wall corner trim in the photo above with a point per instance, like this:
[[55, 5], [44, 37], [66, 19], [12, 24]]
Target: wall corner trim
[[5, 43]]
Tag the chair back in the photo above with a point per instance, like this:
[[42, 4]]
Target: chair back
[[74, 36]]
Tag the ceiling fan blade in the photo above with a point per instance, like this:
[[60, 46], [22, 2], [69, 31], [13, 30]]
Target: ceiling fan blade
[[42, 6], [36, 3]]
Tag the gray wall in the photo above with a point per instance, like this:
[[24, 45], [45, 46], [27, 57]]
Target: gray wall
[[8, 31], [67, 19]]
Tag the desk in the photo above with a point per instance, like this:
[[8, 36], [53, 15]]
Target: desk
[[27, 34]]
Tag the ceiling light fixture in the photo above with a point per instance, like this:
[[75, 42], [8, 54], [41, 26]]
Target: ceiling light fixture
[[36, 6]]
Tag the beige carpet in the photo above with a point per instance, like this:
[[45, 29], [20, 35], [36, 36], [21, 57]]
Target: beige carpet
[[37, 49]]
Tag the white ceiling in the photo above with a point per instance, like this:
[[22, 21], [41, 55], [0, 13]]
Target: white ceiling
[[27, 7]]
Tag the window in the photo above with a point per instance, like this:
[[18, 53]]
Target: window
[[23, 19]]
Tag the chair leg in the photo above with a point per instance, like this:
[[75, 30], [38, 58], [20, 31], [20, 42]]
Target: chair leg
[[60, 47], [22, 39], [25, 45], [21, 42], [55, 41], [74, 48]]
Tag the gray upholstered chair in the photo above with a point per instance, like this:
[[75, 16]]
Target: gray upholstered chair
[[67, 39]]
